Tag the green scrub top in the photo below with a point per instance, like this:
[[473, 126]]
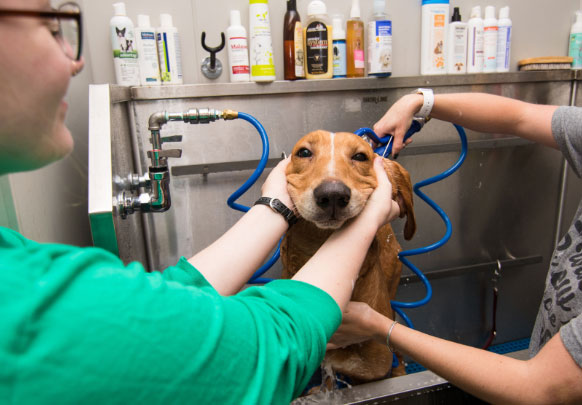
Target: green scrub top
[[79, 326]]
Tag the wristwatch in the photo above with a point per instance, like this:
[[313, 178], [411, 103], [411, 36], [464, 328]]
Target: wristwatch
[[427, 105], [277, 206]]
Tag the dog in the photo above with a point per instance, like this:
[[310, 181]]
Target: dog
[[121, 39], [330, 178]]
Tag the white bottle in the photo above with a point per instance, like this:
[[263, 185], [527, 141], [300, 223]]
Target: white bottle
[[238, 52], [489, 40], [503, 40], [147, 52], [435, 21], [169, 50], [380, 41], [261, 52], [124, 47], [575, 48], [339, 48], [457, 45], [475, 41]]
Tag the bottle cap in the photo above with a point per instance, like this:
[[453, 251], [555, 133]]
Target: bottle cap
[[435, 2], [476, 12], [379, 6], [119, 8], [504, 12], [234, 17], [355, 11], [338, 28], [490, 12], [316, 7], [166, 20], [578, 16], [143, 20], [456, 15]]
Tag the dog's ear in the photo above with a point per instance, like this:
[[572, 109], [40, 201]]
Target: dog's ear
[[402, 194]]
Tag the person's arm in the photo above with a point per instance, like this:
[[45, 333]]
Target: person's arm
[[477, 111], [552, 376]]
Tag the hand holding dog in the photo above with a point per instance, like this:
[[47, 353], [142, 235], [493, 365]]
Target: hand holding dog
[[360, 323], [275, 185], [380, 207]]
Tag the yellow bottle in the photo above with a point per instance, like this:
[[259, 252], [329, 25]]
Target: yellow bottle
[[318, 42]]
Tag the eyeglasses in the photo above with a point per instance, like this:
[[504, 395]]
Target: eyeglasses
[[65, 24]]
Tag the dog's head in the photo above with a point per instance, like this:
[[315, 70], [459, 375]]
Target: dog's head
[[331, 176]]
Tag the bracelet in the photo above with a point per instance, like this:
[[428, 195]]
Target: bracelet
[[277, 206], [427, 103], [388, 337]]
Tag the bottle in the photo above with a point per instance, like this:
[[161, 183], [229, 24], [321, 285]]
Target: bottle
[[124, 47], [457, 45], [355, 42], [503, 40], [575, 48], [489, 40], [380, 42], [475, 41], [261, 53], [339, 48], [318, 42], [147, 52], [293, 43], [434, 25], [238, 50], [169, 51]]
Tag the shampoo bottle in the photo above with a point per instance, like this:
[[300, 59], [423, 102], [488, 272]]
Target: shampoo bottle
[[503, 40], [318, 38], [339, 48], [489, 40], [293, 43], [169, 51], [355, 42], [434, 25], [575, 48], [124, 47], [380, 42], [475, 41], [147, 52], [261, 53], [238, 53], [457, 48]]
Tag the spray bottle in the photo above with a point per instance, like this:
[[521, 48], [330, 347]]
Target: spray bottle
[[503, 40], [169, 51], [238, 55], [457, 48], [475, 41], [575, 48], [380, 42], [339, 48], [489, 40], [124, 47], [147, 52]]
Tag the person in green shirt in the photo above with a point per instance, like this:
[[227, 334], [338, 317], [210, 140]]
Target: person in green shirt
[[77, 325]]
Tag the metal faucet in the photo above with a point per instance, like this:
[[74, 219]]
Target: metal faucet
[[156, 182]]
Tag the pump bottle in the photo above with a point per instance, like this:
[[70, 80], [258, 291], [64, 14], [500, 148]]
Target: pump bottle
[[124, 47], [355, 42], [503, 40], [293, 43], [457, 48], [475, 41], [575, 48], [489, 40], [339, 48], [317, 40], [380, 42]]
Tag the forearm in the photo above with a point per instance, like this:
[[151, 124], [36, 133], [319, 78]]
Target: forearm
[[230, 261]]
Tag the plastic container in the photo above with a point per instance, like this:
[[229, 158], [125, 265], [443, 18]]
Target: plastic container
[[475, 41], [147, 52], [380, 41], [317, 40], [355, 42], [238, 50], [503, 40], [339, 48], [575, 48], [261, 52], [293, 43], [124, 47], [490, 40], [169, 51], [434, 25], [457, 48]]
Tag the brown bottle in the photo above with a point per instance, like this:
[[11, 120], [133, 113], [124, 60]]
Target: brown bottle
[[293, 43], [355, 61]]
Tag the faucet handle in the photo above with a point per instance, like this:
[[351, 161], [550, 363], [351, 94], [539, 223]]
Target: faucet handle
[[172, 138], [166, 153]]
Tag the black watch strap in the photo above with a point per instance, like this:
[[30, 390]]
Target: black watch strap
[[277, 206]]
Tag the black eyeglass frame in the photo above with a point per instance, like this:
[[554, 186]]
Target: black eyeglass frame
[[71, 15]]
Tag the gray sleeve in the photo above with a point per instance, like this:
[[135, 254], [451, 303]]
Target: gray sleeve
[[567, 130], [571, 335]]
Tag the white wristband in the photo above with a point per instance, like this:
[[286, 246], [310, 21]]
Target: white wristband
[[428, 103]]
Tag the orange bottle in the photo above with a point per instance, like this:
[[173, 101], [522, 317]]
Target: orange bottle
[[355, 42], [293, 43]]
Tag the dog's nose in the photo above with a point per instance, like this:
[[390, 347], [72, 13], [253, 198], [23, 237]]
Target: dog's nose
[[332, 195]]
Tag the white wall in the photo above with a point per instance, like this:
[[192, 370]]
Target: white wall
[[51, 203]]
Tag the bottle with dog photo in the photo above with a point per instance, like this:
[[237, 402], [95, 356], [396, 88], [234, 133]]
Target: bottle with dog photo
[[380, 42], [433, 46], [124, 47]]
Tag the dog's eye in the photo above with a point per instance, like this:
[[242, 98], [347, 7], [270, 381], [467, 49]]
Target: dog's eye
[[304, 153], [360, 157]]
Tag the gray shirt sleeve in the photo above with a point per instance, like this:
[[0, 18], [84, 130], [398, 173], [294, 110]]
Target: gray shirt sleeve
[[571, 335], [567, 130]]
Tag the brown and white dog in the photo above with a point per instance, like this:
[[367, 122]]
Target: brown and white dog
[[330, 178]]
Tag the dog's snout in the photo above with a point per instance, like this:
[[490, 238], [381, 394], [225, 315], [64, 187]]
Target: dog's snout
[[331, 195]]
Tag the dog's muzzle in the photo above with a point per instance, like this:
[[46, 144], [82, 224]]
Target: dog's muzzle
[[332, 197]]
